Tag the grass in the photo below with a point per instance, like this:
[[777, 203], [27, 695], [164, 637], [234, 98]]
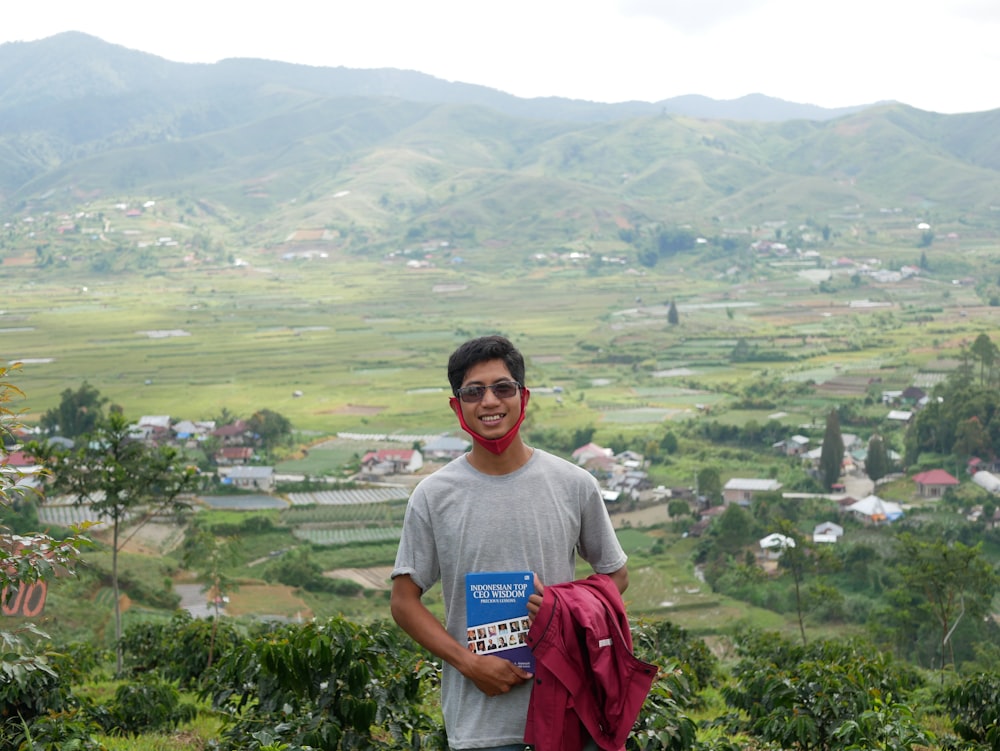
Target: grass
[[268, 600]]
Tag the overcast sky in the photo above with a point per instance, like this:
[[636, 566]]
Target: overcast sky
[[937, 55]]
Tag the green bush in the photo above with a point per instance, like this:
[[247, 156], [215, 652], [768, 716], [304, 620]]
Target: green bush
[[30, 688], [146, 706], [332, 685], [974, 706], [71, 730], [181, 650], [827, 695]]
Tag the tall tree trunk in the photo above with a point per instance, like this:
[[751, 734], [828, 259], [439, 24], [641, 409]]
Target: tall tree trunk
[[118, 604], [798, 608]]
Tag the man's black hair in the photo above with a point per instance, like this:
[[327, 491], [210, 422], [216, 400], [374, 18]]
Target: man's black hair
[[480, 350]]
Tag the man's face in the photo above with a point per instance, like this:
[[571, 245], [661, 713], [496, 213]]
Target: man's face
[[492, 417]]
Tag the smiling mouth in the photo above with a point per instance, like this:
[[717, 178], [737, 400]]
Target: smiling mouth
[[492, 419]]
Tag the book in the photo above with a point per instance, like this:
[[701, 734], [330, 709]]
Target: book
[[496, 615]]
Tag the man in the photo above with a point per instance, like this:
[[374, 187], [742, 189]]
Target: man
[[504, 506]]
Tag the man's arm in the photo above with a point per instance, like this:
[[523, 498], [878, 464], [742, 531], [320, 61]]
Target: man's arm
[[491, 675], [620, 578]]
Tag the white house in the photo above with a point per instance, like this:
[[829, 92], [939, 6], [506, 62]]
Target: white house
[[827, 532], [775, 544], [797, 445], [873, 510]]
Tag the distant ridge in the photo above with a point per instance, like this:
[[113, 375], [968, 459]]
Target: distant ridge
[[380, 158], [96, 69]]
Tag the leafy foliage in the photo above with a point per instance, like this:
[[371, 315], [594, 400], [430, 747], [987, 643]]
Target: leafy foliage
[[332, 685], [952, 581], [803, 697], [974, 706], [661, 642], [119, 476], [29, 687], [143, 706], [180, 651], [78, 413]]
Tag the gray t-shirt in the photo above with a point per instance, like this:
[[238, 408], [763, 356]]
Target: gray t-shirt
[[536, 518]]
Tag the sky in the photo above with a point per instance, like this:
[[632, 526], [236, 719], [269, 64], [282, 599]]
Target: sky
[[936, 55]]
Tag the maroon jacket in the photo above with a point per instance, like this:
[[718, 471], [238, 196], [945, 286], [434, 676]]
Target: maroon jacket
[[587, 681]]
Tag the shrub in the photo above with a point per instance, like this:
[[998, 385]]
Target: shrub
[[329, 685], [807, 697], [974, 706], [181, 650], [71, 730], [145, 706]]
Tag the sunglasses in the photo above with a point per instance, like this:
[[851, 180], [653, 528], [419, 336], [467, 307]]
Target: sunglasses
[[501, 390]]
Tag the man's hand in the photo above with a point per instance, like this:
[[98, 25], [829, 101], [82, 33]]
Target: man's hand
[[535, 600], [494, 675]]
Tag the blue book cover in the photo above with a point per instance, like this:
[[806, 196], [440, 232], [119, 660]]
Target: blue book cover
[[496, 615]]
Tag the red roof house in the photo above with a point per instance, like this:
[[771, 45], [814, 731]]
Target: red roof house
[[933, 483], [393, 461]]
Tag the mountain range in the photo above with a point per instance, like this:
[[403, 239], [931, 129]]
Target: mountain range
[[381, 155]]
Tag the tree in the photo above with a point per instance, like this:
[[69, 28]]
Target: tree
[[672, 318], [877, 460], [669, 442], [831, 456], [953, 580], [210, 556], [800, 558], [677, 508], [971, 439], [28, 561], [709, 484], [734, 529], [271, 428], [985, 351], [78, 412], [120, 478]]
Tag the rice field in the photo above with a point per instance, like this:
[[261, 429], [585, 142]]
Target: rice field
[[347, 536]]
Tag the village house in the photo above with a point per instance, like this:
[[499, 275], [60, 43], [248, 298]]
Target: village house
[[827, 532], [236, 433], [796, 445], [874, 511], [741, 490], [976, 464], [900, 415], [934, 483], [629, 482], [446, 447], [186, 430], [21, 469], [248, 478], [233, 456], [591, 451], [152, 429], [913, 396], [392, 462]]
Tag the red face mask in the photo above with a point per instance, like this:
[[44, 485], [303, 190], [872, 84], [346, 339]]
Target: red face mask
[[493, 445]]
